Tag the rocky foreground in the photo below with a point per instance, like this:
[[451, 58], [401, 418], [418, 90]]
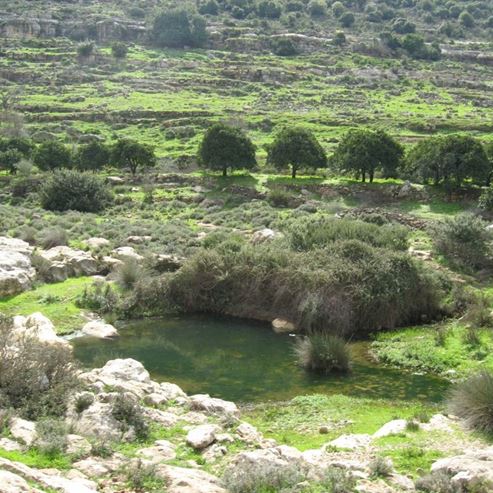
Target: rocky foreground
[[210, 430]]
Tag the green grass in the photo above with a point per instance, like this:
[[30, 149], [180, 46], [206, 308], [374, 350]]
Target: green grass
[[297, 422], [55, 301], [417, 348], [34, 458]]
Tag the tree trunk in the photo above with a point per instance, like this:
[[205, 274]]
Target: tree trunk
[[371, 176], [363, 176], [293, 172], [225, 171]]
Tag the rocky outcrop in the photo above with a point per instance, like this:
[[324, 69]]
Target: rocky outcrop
[[36, 326], [468, 471], [126, 254], [16, 270], [22, 430], [96, 243], [62, 262], [182, 480], [212, 405]]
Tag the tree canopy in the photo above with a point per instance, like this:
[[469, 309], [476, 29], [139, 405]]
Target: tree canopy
[[296, 147], [92, 156], [177, 29], [52, 155], [128, 153], [447, 159], [224, 147], [363, 152]]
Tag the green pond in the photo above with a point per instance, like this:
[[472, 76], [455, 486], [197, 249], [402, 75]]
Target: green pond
[[245, 361]]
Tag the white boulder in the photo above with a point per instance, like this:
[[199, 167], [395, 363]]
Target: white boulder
[[126, 253], [201, 436], [394, 427], [16, 270], [63, 262], [351, 442], [282, 326], [96, 243], [38, 327], [99, 329], [212, 405], [23, 430]]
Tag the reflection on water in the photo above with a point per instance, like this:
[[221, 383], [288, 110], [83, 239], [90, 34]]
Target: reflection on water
[[244, 361]]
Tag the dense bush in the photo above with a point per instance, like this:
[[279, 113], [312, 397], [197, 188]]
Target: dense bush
[[323, 353], [36, 378], [317, 232], [472, 400], [52, 155], [177, 29], [464, 240], [341, 286], [71, 190]]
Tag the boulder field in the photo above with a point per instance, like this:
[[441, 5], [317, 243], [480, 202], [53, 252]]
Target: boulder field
[[211, 428]]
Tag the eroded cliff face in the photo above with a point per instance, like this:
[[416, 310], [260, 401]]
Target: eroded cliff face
[[101, 30]]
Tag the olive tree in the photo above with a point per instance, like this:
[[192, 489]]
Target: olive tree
[[363, 152], [128, 153], [224, 147], [296, 147]]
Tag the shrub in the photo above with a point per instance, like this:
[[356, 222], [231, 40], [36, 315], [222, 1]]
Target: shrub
[[322, 353], [472, 400], [53, 237], [260, 477], [142, 477], [83, 401], [129, 413], [128, 274], [99, 297], [37, 378], [71, 190], [85, 50], [464, 240], [119, 50], [278, 197], [283, 47], [52, 436], [317, 232], [485, 201], [436, 482], [381, 467]]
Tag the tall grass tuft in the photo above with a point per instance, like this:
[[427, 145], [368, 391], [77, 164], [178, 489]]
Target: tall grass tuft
[[323, 353], [472, 400]]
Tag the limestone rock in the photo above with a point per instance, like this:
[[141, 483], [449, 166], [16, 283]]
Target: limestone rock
[[212, 405], [126, 253], [23, 430], [201, 436], [63, 262], [100, 329], [16, 270], [139, 239], [160, 452], [97, 421], [11, 483], [46, 481], [126, 375], [282, 326], [36, 326], [351, 442], [96, 243], [394, 427], [77, 445], [182, 480], [469, 469], [9, 445], [264, 235], [172, 391], [438, 422], [249, 433]]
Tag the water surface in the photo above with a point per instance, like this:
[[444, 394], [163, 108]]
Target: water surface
[[244, 361]]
